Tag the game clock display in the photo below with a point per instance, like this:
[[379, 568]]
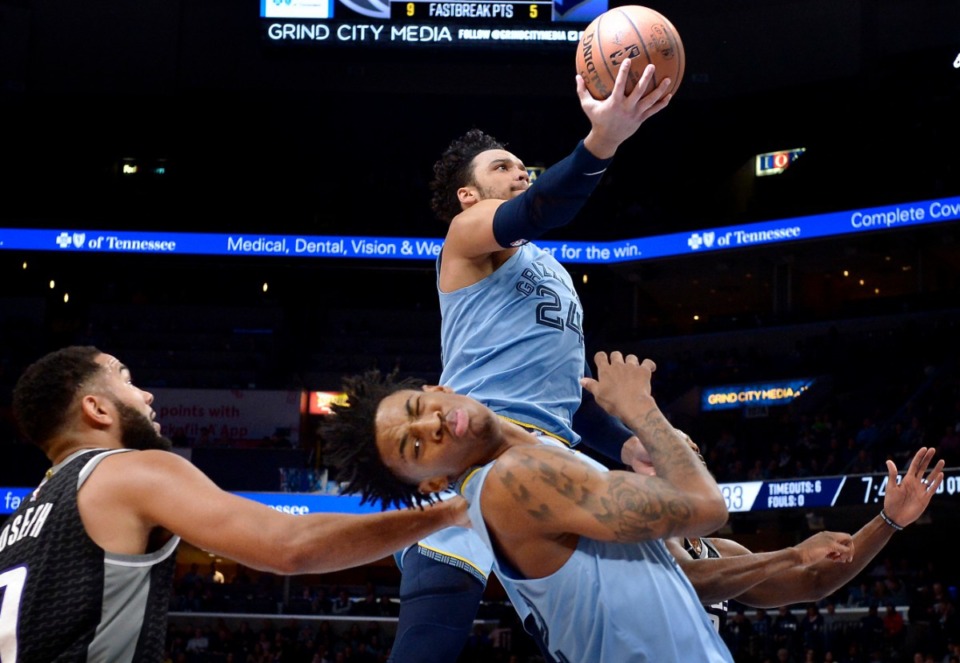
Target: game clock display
[[821, 492]]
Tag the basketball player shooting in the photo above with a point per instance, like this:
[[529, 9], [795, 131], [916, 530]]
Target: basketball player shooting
[[483, 192]]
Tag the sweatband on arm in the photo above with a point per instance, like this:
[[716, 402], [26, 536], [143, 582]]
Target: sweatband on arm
[[552, 201]]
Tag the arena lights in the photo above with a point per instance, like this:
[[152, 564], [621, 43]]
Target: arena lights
[[319, 402], [133, 167]]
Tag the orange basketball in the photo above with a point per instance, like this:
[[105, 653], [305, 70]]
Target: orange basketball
[[635, 32]]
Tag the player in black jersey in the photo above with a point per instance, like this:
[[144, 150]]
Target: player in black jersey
[[701, 548], [86, 561], [722, 569]]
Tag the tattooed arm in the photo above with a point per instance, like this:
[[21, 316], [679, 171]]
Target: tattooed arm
[[623, 389], [538, 500]]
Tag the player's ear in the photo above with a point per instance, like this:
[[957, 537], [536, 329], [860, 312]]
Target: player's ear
[[94, 410], [467, 195], [434, 485]]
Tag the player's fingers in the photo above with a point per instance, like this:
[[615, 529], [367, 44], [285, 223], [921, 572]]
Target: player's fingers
[[649, 94], [658, 93], [651, 104], [915, 461], [582, 89], [891, 473], [935, 478], [645, 85], [845, 549], [620, 83], [925, 460], [938, 468], [650, 365]]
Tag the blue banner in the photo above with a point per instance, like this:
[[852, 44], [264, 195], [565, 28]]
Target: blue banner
[[686, 243], [10, 499], [302, 503], [295, 503]]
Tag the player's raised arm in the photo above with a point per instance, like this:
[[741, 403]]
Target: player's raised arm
[[623, 388]]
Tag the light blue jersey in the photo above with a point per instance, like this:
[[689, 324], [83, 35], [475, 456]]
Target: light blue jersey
[[456, 546], [610, 602], [514, 342], [527, 373]]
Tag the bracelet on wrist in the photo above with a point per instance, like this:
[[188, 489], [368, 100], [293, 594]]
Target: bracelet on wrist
[[890, 522]]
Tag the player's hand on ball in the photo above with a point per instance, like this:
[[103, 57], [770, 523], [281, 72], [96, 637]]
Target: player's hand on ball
[[616, 118]]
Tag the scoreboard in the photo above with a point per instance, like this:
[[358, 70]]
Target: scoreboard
[[416, 10], [821, 492], [531, 25]]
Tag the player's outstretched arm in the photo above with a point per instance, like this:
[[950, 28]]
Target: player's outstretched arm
[[760, 580], [162, 489], [903, 503], [905, 500]]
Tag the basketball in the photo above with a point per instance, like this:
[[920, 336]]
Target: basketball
[[631, 31]]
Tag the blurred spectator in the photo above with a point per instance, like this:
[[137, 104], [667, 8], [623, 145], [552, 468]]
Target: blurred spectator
[[367, 606], [197, 645], [341, 603], [215, 575], [321, 602], [191, 579], [871, 631], [949, 444], [893, 626], [762, 625], [811, 629], [833, 628], [859, 595], [387, 606], [737, 632], [784, 656], [786, 629]]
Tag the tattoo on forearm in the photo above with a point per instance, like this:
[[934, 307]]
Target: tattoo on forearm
[[628, 509]]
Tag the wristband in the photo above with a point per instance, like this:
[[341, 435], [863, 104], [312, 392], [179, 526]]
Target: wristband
[[887, 520], [552, 201]]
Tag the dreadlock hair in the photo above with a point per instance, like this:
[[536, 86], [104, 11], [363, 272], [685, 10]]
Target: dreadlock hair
[[349, 441], [454, 169], [45, 390]]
